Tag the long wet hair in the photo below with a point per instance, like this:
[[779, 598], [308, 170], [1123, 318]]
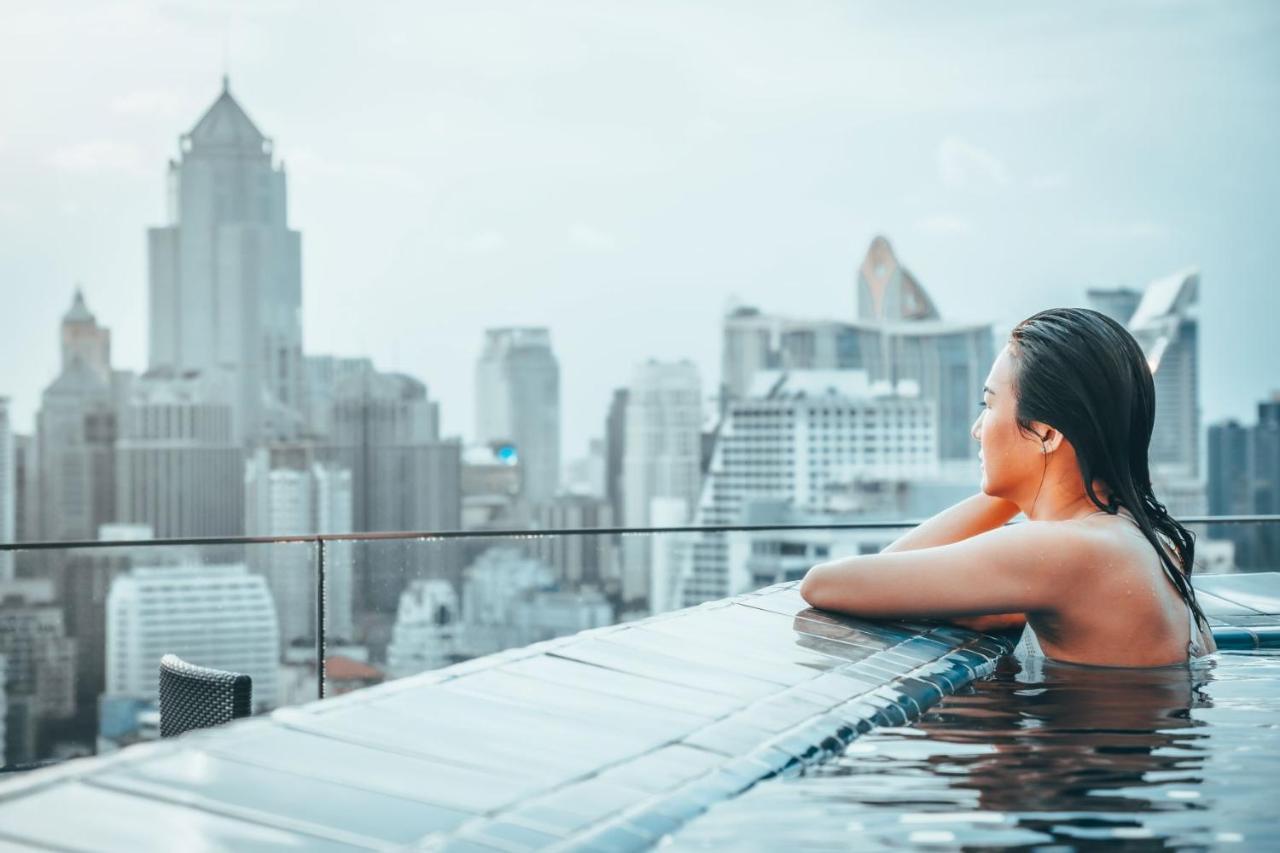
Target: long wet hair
[[1082, 373]]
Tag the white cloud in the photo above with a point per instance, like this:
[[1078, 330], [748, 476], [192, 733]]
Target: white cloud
[[304, 160], [1134, 229], [484, 243], [590, 239], [148, 102], [98, 156], [944, 224], [1051, 181], [962, 164]]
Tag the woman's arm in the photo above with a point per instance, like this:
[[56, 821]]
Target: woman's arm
[[1022, 568], [973, 515]]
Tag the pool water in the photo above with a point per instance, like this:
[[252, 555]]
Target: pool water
[[1042, 756]]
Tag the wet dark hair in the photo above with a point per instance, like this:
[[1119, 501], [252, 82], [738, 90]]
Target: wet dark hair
[[1082, 373]]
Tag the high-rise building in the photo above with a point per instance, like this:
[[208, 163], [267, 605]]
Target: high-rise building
[[582, 559], [1118, 303], [511, 599], [662, 460], [76, 430], [1231, 473], [663, 437], [615, 450], [518, 401], [1244, 479], [219, 616], [225, 272], [428, 630], [288, 492], [4, 707], [386, 432], [179, 468], [1165, 324], [8, 490], [898, 335], [324, 374], [887, 291], [810, 439], [41, 663]]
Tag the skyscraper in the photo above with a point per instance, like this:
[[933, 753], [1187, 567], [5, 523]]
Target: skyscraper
[[1118, 303], [8, 490], [898, 335], [518, 400], [887, 291], [615, 448], [41, 661], [805, 439], [288, 492], [76, 431], [179, 468], [219, 616], [662, 460], [386, 432], [1165, 324], [225, 272]]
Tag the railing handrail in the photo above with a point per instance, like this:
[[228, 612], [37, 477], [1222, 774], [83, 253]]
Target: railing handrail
[[526, 533]]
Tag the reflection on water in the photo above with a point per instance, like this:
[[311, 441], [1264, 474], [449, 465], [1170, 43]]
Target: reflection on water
[[1043, 755]]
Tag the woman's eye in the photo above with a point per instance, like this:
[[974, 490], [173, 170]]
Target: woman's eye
[[982, 404]]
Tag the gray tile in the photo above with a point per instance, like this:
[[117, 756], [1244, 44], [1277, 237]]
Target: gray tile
[[389, 772], [203, 779], [509, 836], [664, 667], [1216, 605], [663, 769], [740, 662], [729, 737], [68, 814], [577, 703], [638, 689], [1257, 590]]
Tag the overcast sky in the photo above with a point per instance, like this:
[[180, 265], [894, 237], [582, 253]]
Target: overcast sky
[[620, 171]]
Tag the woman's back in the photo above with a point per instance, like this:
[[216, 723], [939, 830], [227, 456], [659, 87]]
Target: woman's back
[[1125, 612]]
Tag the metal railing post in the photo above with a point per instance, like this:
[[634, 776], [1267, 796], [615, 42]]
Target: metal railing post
[[320, 626]]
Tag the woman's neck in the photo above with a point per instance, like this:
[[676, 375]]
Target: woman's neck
[[1063, 503]]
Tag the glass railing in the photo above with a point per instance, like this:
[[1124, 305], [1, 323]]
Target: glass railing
[[83, 625]]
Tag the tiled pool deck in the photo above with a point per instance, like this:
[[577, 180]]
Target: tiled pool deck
[[605, 740]]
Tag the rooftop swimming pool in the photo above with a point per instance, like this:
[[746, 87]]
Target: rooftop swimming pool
[[1041, 756]]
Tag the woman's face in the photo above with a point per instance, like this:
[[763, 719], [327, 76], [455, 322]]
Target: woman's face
[[1009, 458]]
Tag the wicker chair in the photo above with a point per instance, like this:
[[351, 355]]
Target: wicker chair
[[195, 697]]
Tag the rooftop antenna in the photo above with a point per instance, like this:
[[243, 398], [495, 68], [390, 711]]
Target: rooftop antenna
[[226, 53]]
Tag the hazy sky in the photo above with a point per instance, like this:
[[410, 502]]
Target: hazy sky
[[619, 171]]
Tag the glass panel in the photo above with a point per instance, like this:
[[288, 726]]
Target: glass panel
[[82, 632]]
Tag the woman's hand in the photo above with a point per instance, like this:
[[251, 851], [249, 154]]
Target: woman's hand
[[991, 624]]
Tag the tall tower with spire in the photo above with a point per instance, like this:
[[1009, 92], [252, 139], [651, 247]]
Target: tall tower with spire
[[76, 432], [225, 272]]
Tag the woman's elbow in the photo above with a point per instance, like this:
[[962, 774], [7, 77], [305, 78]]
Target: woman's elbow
[[814, 586]]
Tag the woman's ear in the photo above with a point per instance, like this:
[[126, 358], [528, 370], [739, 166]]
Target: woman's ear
[[1050, 438]]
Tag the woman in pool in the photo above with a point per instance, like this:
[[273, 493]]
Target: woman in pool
[[1099, 573]]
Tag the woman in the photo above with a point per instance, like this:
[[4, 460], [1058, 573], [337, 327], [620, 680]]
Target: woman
[[1099, 573]]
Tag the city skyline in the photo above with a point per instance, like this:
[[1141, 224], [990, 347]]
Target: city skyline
[[672, 197]]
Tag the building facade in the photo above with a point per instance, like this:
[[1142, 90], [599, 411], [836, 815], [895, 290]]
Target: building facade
[[225, 272], [179, 468], [518, 401], [219, 616], [810, 439], [898, 335]]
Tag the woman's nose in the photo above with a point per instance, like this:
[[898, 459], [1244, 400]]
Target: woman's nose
[[973, 430]]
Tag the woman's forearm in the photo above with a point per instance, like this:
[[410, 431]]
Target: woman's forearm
[[973, 515]]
